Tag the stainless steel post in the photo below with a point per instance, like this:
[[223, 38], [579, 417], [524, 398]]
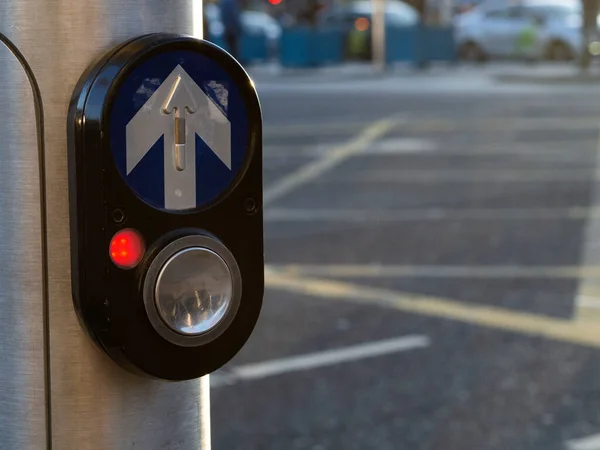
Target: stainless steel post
[[378, 34], [446, 13], [57, 390]]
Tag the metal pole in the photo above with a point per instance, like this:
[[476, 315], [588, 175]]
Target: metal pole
[[446, 12], [378, 35], [589, 15], [58, 391]]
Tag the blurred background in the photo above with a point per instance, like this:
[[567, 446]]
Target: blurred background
[[431, 222]]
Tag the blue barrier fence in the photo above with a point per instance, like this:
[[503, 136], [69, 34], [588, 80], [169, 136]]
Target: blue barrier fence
[[440, 44], [403, 44], [420, 44], [253, 48], [304, 47], [307, 47]]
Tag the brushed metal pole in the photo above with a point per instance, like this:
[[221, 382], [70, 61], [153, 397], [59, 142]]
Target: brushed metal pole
[[57, 390]]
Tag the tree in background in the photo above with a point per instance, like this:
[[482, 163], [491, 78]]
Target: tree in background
[[589, 20]]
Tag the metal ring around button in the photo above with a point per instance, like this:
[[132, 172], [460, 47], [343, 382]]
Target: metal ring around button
[[152, 284]]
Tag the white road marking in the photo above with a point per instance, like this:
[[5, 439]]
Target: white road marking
[[438, 271], [334, 157], [587, 443], [381, 147], [428, 214], [275, 130], [401, 146], [587, 301], [518, 153], [320, 359], [465, 176]]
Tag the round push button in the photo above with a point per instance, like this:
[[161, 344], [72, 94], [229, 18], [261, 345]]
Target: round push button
[[194, 291]]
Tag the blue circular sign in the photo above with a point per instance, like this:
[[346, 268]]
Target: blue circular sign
[[179, 130]]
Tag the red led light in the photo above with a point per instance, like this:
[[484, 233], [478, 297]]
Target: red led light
[[127, 248]]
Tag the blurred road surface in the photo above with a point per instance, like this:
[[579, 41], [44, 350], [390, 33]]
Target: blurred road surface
[[431, 283]]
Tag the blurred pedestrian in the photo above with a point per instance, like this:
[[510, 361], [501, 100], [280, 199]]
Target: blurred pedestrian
[[231, 15], [528, 40], [310, 14]]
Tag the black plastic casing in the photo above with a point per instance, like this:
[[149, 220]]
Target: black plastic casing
[[109, 300]]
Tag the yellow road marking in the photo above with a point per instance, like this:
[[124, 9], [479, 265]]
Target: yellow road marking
[[439, 271], [580, 332], [331, 159]]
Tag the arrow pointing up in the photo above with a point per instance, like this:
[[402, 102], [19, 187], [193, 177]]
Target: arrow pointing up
[[179, 101], [180, 98], [179, 110]]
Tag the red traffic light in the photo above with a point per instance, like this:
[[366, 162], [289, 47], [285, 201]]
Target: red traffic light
[[127, 248], [274, 2]]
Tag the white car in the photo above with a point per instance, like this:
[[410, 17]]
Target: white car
[[253, 23], [493, 29], [260, 23]]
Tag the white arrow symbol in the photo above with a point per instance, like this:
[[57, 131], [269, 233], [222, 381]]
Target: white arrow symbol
[[179, 101], [179, 110]]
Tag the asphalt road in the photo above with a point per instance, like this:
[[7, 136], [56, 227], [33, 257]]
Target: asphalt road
[[431, 268]]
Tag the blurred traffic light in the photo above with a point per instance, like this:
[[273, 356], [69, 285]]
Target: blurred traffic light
[[274, 2]]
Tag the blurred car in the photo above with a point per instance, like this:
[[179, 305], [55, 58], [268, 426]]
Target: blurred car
[[397, 14], [253, 23], [261, 23], [494, 30]]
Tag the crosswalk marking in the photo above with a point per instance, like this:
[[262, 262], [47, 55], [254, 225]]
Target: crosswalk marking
[[587, 443], [319, 359]]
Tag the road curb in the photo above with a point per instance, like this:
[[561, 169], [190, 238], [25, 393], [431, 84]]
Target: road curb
[[548, 79]]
